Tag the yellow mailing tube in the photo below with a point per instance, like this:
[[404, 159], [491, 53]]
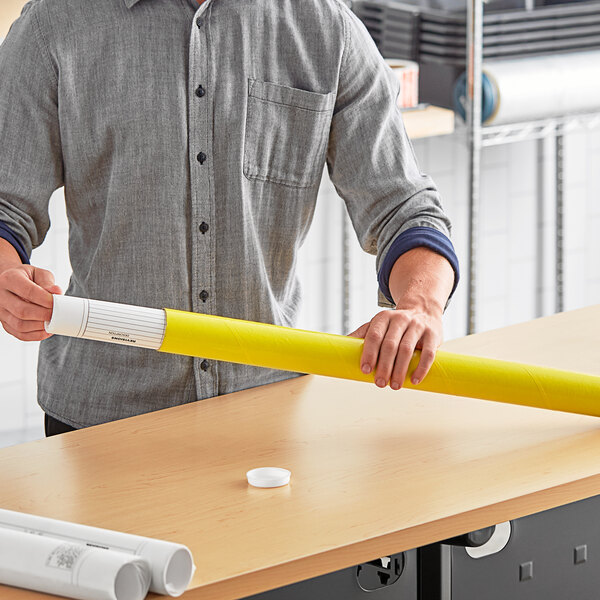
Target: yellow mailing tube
[[263, 345]]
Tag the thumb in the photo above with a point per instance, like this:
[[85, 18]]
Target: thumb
[[45, 279], [361, 332]]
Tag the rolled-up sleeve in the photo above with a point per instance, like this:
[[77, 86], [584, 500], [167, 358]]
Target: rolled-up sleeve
[[30, 150], [370, 159]]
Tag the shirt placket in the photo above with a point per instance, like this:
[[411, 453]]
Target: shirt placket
[[202, 224]]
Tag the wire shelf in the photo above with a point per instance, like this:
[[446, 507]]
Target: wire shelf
[[535, 130]]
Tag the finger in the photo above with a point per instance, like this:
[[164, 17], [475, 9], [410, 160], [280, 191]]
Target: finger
[[45, 279], [22, 309], [31, 336], [374, 337], [54, 289], [388, 350], [20, 325], [21, 285], [360, 332], [406, 349], [429, 344]]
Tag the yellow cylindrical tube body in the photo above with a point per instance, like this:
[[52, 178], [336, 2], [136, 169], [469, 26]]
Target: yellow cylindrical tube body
[[272, 346]]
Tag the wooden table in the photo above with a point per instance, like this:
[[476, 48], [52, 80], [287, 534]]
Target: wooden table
[[374, 472]]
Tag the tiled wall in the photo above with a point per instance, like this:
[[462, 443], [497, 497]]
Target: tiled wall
[[509, 289]]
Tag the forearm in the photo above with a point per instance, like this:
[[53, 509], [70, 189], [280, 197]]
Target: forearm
[[421, 279]]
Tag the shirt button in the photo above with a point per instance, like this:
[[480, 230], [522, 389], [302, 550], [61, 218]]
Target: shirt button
[[201, 157], [199, 22], [203, 295], [203, 227], [204, 365], [200, 91]]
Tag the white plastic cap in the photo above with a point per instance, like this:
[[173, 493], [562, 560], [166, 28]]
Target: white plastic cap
[[68, 314], [268, 477]]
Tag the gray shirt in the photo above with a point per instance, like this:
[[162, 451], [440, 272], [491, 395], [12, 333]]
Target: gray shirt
[[190, 142]]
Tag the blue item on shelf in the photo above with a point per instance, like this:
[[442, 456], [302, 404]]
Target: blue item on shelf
[[489, 97]]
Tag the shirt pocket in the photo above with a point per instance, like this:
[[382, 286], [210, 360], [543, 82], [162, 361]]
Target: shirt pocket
[[286, 133]]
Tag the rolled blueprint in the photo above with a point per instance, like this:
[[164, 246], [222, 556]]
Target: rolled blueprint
[[263, 345], [70, 569], [171, 565], [533, 88]]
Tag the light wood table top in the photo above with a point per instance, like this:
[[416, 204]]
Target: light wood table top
[[373, 471]]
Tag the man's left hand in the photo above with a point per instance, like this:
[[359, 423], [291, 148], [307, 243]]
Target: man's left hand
[[392, 336], [420, 282]]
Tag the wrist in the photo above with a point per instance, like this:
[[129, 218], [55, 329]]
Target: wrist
[[421, 279], [420, 301], [9, 257]]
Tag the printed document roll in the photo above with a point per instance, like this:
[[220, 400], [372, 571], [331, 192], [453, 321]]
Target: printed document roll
[[170, 565], [70, 569], [264, 345]]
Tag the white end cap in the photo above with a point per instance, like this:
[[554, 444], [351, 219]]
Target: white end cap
[[268, 477], [68, 314]]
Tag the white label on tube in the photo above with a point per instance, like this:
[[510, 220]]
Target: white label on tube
[[107, 322]]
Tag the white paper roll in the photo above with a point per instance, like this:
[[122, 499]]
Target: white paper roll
[[171, 564], [545, 86], [107, 322], [70, 569], [528, 89], [407, 72]]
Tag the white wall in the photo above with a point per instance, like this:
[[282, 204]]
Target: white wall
[[507, 258]]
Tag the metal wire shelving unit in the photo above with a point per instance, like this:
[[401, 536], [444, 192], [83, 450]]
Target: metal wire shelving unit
[[479, 137]]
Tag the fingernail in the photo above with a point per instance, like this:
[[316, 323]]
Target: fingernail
[[380, 382], [416, 380], [395, 385], [366, 368]]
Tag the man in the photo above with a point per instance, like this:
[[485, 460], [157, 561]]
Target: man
[[190, 141]]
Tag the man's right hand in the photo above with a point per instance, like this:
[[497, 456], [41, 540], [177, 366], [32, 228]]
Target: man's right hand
[[25, 296]]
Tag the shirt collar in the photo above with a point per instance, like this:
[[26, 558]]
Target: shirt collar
[[130, 3]]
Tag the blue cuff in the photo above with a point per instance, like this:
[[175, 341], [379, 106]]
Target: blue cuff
[[8, 234], [416, 237]]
